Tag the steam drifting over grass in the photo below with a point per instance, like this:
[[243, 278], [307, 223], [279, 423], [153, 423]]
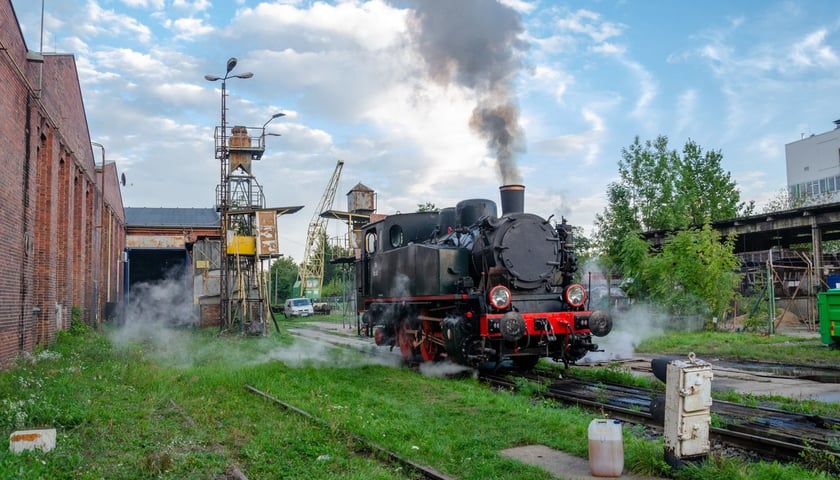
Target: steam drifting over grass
[[630, 328], [155, 316]]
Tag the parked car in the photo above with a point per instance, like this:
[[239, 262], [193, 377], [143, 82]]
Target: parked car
[[298, 307]]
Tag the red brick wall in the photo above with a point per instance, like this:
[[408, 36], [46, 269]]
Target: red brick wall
[[16, 319], [113, 239], [52, 209]]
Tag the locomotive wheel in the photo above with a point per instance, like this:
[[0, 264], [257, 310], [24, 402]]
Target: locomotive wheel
[[429, 350], [406, 339]]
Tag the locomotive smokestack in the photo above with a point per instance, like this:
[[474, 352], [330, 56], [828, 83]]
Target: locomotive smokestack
[[513, 198]]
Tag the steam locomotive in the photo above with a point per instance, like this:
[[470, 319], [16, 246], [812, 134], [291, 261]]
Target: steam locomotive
[[478, 289]]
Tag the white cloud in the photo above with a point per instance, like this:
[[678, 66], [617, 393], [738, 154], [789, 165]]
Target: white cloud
[[345, 26], [590, 24], [145, 4], [193, 6], [108, 22], [647, 87], [812, 51], [548, 79], [189, 28]]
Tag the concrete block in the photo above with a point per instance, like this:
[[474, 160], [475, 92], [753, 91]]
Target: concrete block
[[22, 440]]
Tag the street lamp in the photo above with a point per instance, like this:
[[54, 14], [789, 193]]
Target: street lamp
[[222, 150], [222, 156], [276, 115], [268, 134]]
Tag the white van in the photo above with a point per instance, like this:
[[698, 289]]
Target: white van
[[298, 307]]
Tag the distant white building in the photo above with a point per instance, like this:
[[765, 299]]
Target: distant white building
[[813, 168]]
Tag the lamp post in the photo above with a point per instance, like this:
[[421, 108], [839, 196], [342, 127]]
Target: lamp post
[[264, 134], [98, 242], [276, 115], [221, 148], [223, 157]]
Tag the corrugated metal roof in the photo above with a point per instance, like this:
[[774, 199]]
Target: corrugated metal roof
[[171, 217]]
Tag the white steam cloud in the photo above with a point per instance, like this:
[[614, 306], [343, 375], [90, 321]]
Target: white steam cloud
[[153, 316], [630, 327]]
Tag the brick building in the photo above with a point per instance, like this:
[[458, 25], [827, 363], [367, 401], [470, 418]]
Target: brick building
[[62, 238], [180, 245]]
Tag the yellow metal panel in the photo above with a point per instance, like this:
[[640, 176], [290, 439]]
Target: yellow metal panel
[[242, 245]]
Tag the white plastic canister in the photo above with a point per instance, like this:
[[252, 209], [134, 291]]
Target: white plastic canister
[[606, 448]]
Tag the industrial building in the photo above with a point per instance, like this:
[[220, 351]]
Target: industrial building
[[813, 168], [179, 245], [62, 223]]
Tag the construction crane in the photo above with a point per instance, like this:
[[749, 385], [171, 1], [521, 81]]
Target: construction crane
[[311, 273]]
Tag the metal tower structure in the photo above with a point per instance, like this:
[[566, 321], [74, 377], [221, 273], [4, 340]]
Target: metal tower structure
[[311, 273], [248, 230]]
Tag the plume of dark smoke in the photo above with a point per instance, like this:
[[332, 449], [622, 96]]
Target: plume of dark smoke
[[476, 44]]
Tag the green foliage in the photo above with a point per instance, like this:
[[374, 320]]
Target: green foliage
[[332, 271], [585, 250], [616, 223], [700, 265], [143, 411], [730, 468], [758, 314], [427, 207], [704, 189], [77, 325], [695, 273], [646, 458], [662, 189], [529, 388], [282, 276]]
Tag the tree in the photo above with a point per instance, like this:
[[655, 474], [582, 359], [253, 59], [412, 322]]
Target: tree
[[332, 284], [704, 190], [616, 223], [282, 276], [584, 249], [662, 189], [427, 207], [698, 272], [695, 273]]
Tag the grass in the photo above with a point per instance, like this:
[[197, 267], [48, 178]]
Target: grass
[[744, 346], [142, 407], [741, 346]]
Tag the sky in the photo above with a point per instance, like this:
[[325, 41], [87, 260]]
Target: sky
[[441, 101]]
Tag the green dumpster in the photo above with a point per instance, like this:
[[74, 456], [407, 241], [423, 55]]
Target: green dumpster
[[828, 303]]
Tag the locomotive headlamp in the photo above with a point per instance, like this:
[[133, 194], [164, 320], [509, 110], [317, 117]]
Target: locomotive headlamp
[[499, 297], [575, 295]]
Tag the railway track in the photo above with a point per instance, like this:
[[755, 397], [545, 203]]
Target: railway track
[[770, 432], [360, 445]]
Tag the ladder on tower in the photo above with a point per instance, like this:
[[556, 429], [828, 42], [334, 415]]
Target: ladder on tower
[[311, 273]]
